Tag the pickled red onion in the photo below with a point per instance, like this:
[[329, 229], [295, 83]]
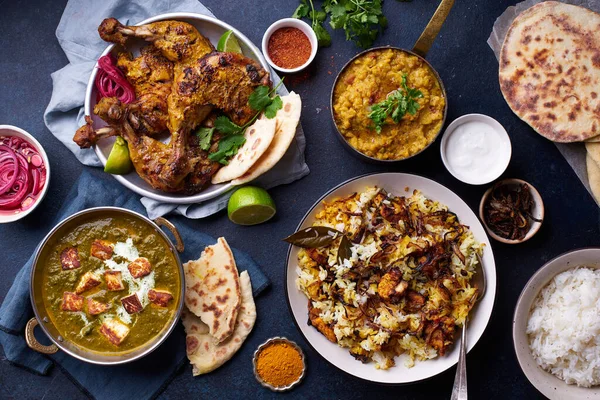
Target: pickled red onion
[[22, 174], [110, 81]]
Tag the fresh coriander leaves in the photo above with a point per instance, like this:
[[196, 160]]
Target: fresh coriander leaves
[[396, 105], [362, 20], [233, 135], [271, 109], [228, 146], [224, 125], [302, 10], [306, 9], [259, 99], [205, 137]]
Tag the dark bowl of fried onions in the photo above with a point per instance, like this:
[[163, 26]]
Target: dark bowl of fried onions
[[512, 211]]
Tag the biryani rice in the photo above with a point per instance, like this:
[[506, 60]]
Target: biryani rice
[[339, 297]]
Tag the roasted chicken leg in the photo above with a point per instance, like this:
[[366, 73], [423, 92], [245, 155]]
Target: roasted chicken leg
[[203, 80]]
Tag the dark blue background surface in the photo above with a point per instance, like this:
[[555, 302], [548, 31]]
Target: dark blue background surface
[[468, 68]]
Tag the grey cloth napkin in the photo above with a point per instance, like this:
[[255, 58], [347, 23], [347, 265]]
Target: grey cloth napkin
[[78, 36]]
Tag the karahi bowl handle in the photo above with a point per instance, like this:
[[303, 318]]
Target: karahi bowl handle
[[32, 341], [432, 29], [160, 221]]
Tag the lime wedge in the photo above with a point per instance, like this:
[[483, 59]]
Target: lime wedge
[[250, 205], [118, 162], [229, 43]]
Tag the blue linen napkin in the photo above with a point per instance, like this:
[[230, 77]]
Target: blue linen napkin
[[142, 379], [77, 34]]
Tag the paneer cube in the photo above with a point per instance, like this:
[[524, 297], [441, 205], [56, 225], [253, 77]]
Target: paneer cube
[[139, 267], [132, 304], [114, 281], [87, 281], [159, 297], [95, 307], [115, 331], [102, 249], [69, 258], [72, 302]]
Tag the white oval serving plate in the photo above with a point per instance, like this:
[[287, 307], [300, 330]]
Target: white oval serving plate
[[395, 183]]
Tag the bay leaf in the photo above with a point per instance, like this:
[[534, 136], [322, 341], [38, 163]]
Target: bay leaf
[[313, 237], [345, 250]]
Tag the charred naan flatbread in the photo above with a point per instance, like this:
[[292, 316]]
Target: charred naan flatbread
[[258, 138], [213, 289], [593, 171], [203, 351], [550, 70], [287, 121]]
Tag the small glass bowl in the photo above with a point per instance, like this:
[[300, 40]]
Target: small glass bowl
[[278, 339]]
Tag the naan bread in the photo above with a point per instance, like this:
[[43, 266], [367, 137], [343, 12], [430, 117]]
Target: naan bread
[[212, 289], [258, 138], [593, 171], [287, 121], [593, 150], [203, 351], [594, 139], [550, 70]]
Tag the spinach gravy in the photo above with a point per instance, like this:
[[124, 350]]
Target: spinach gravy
[[110, 283]]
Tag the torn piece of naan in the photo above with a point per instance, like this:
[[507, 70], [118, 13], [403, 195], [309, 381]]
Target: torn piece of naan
[[213, 289], [203, 351]]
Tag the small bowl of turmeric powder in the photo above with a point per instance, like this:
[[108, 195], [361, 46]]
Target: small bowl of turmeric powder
[[279, 364]]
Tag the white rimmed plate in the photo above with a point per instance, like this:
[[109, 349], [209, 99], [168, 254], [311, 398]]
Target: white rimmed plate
[[548, 384], [211, 28], [394, 183]]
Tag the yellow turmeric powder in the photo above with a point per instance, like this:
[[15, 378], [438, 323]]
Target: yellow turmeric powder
[[279, 364]]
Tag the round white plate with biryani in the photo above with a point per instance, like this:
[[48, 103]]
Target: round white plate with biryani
[[212, 29], [397, 296]]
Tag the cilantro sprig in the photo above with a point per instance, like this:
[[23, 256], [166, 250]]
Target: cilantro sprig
[[362, 20], [397, 103], [261, 100], [306, 9]]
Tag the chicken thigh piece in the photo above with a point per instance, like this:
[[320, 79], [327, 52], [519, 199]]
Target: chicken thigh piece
[[178, 41], [221, 80], [151, 76]]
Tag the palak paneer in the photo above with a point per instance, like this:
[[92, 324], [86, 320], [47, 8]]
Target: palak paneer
[[111, 283]]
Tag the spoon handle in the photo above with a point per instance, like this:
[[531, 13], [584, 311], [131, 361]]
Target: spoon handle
[[459, 391]]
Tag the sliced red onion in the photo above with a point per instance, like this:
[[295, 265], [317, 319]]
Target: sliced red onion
[[22, 174], [110, 81]]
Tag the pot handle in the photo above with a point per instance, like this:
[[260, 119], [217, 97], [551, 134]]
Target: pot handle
[[432, 29], [160, 221], [32, 341]]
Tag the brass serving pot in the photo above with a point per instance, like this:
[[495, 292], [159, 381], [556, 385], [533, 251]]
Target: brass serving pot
[[41, 315], [419, 50]]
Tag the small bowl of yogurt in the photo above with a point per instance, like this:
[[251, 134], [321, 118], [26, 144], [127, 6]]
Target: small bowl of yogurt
[[476, 149]]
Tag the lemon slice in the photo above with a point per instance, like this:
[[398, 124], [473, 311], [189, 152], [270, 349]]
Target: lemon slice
[[229, 43], [250, 205]]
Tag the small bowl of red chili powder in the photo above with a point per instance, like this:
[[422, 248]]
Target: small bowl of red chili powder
[[289, 45]]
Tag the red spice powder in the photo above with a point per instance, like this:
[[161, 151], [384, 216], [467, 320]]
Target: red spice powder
[[289, 47]]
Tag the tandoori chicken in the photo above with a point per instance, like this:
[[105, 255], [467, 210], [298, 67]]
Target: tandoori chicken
[[202, 80]]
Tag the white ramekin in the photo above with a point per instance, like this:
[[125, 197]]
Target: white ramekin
[[290, 23], [9, 130]]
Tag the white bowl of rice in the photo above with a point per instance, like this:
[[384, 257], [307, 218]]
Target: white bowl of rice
[[556, 327]]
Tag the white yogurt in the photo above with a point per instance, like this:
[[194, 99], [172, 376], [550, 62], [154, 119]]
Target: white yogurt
[[476, 149]]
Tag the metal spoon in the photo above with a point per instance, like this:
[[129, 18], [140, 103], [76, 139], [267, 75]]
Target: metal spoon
[[459, 390]]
